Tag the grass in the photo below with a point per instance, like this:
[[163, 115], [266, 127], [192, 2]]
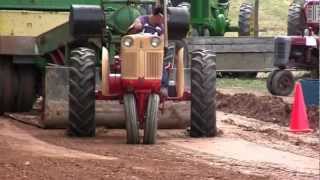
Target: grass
[[242, 84], [272, 16], [272, 21]]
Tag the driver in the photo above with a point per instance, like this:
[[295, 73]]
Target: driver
[[155, 20]]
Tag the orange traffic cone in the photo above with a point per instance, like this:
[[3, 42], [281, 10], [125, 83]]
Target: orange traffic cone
[[299, 119]]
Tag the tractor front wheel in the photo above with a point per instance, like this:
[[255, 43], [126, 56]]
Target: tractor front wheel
[[280, 83], [82, 93], [132, 125], [151, 123], [203, 89]]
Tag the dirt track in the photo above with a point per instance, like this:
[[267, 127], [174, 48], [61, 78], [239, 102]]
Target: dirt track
[[245, 149]]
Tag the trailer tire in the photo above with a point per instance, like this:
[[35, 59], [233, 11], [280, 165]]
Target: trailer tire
[[132, 124], [27, 88], [281, 82], [296, 20], [246, 19], [203, 89], [82, 93], [151, 123]]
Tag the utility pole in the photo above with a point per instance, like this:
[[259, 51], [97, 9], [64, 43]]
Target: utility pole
[[256, 18]]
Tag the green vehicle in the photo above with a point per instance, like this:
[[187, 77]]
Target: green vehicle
[[211, 17], [35, 35]]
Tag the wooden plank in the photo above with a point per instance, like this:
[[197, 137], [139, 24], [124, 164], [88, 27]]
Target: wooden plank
[[229, 40], [232, 44], [235, 48], [238, 62]]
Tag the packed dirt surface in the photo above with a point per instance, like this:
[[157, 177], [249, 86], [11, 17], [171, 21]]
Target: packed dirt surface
[[32, 153], [253, 143], [266, 108]]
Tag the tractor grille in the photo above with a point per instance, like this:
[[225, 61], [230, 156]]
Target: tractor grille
[[153, 66], [281, 50], [129, 67], [313, 13]]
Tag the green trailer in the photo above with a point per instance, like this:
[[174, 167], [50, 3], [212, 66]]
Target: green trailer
[[35, 36]]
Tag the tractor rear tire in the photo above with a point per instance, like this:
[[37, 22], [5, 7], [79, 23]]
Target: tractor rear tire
[[296, 20], [246, 19], [203, 89], [280, 83], [132, 124], [82, 93], [301, 2], [27, 88], [151, 123]]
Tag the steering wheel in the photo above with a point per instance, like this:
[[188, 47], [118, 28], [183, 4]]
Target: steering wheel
[[152, 30]]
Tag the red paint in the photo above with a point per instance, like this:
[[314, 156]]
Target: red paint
[[99, 96], [115, 86], [142, 103], [141, 84], [313, 25], [301, 40]]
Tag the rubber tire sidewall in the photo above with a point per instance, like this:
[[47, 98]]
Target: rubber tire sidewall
[[203, 90], [82, 71], [151, 123]]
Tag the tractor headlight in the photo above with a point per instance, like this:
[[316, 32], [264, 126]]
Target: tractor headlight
[[127, 42], [155, 42]]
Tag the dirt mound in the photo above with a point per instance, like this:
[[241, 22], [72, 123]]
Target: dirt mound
[[265, 108]]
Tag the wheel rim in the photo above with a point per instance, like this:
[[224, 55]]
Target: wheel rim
[[282, 83]]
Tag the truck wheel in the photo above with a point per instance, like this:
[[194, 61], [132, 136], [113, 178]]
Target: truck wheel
[[296, 20], [132, 125], [151, 123], [281, 83], [8, 86], [203, 89], [82, 93], [246, 20], [27, 88]]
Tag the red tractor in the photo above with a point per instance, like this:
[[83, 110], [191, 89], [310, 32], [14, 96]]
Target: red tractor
[[299, 50]]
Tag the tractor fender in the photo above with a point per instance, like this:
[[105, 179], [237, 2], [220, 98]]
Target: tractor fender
[[105, 71], [86, 21], [221, 24], [178, 23]]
